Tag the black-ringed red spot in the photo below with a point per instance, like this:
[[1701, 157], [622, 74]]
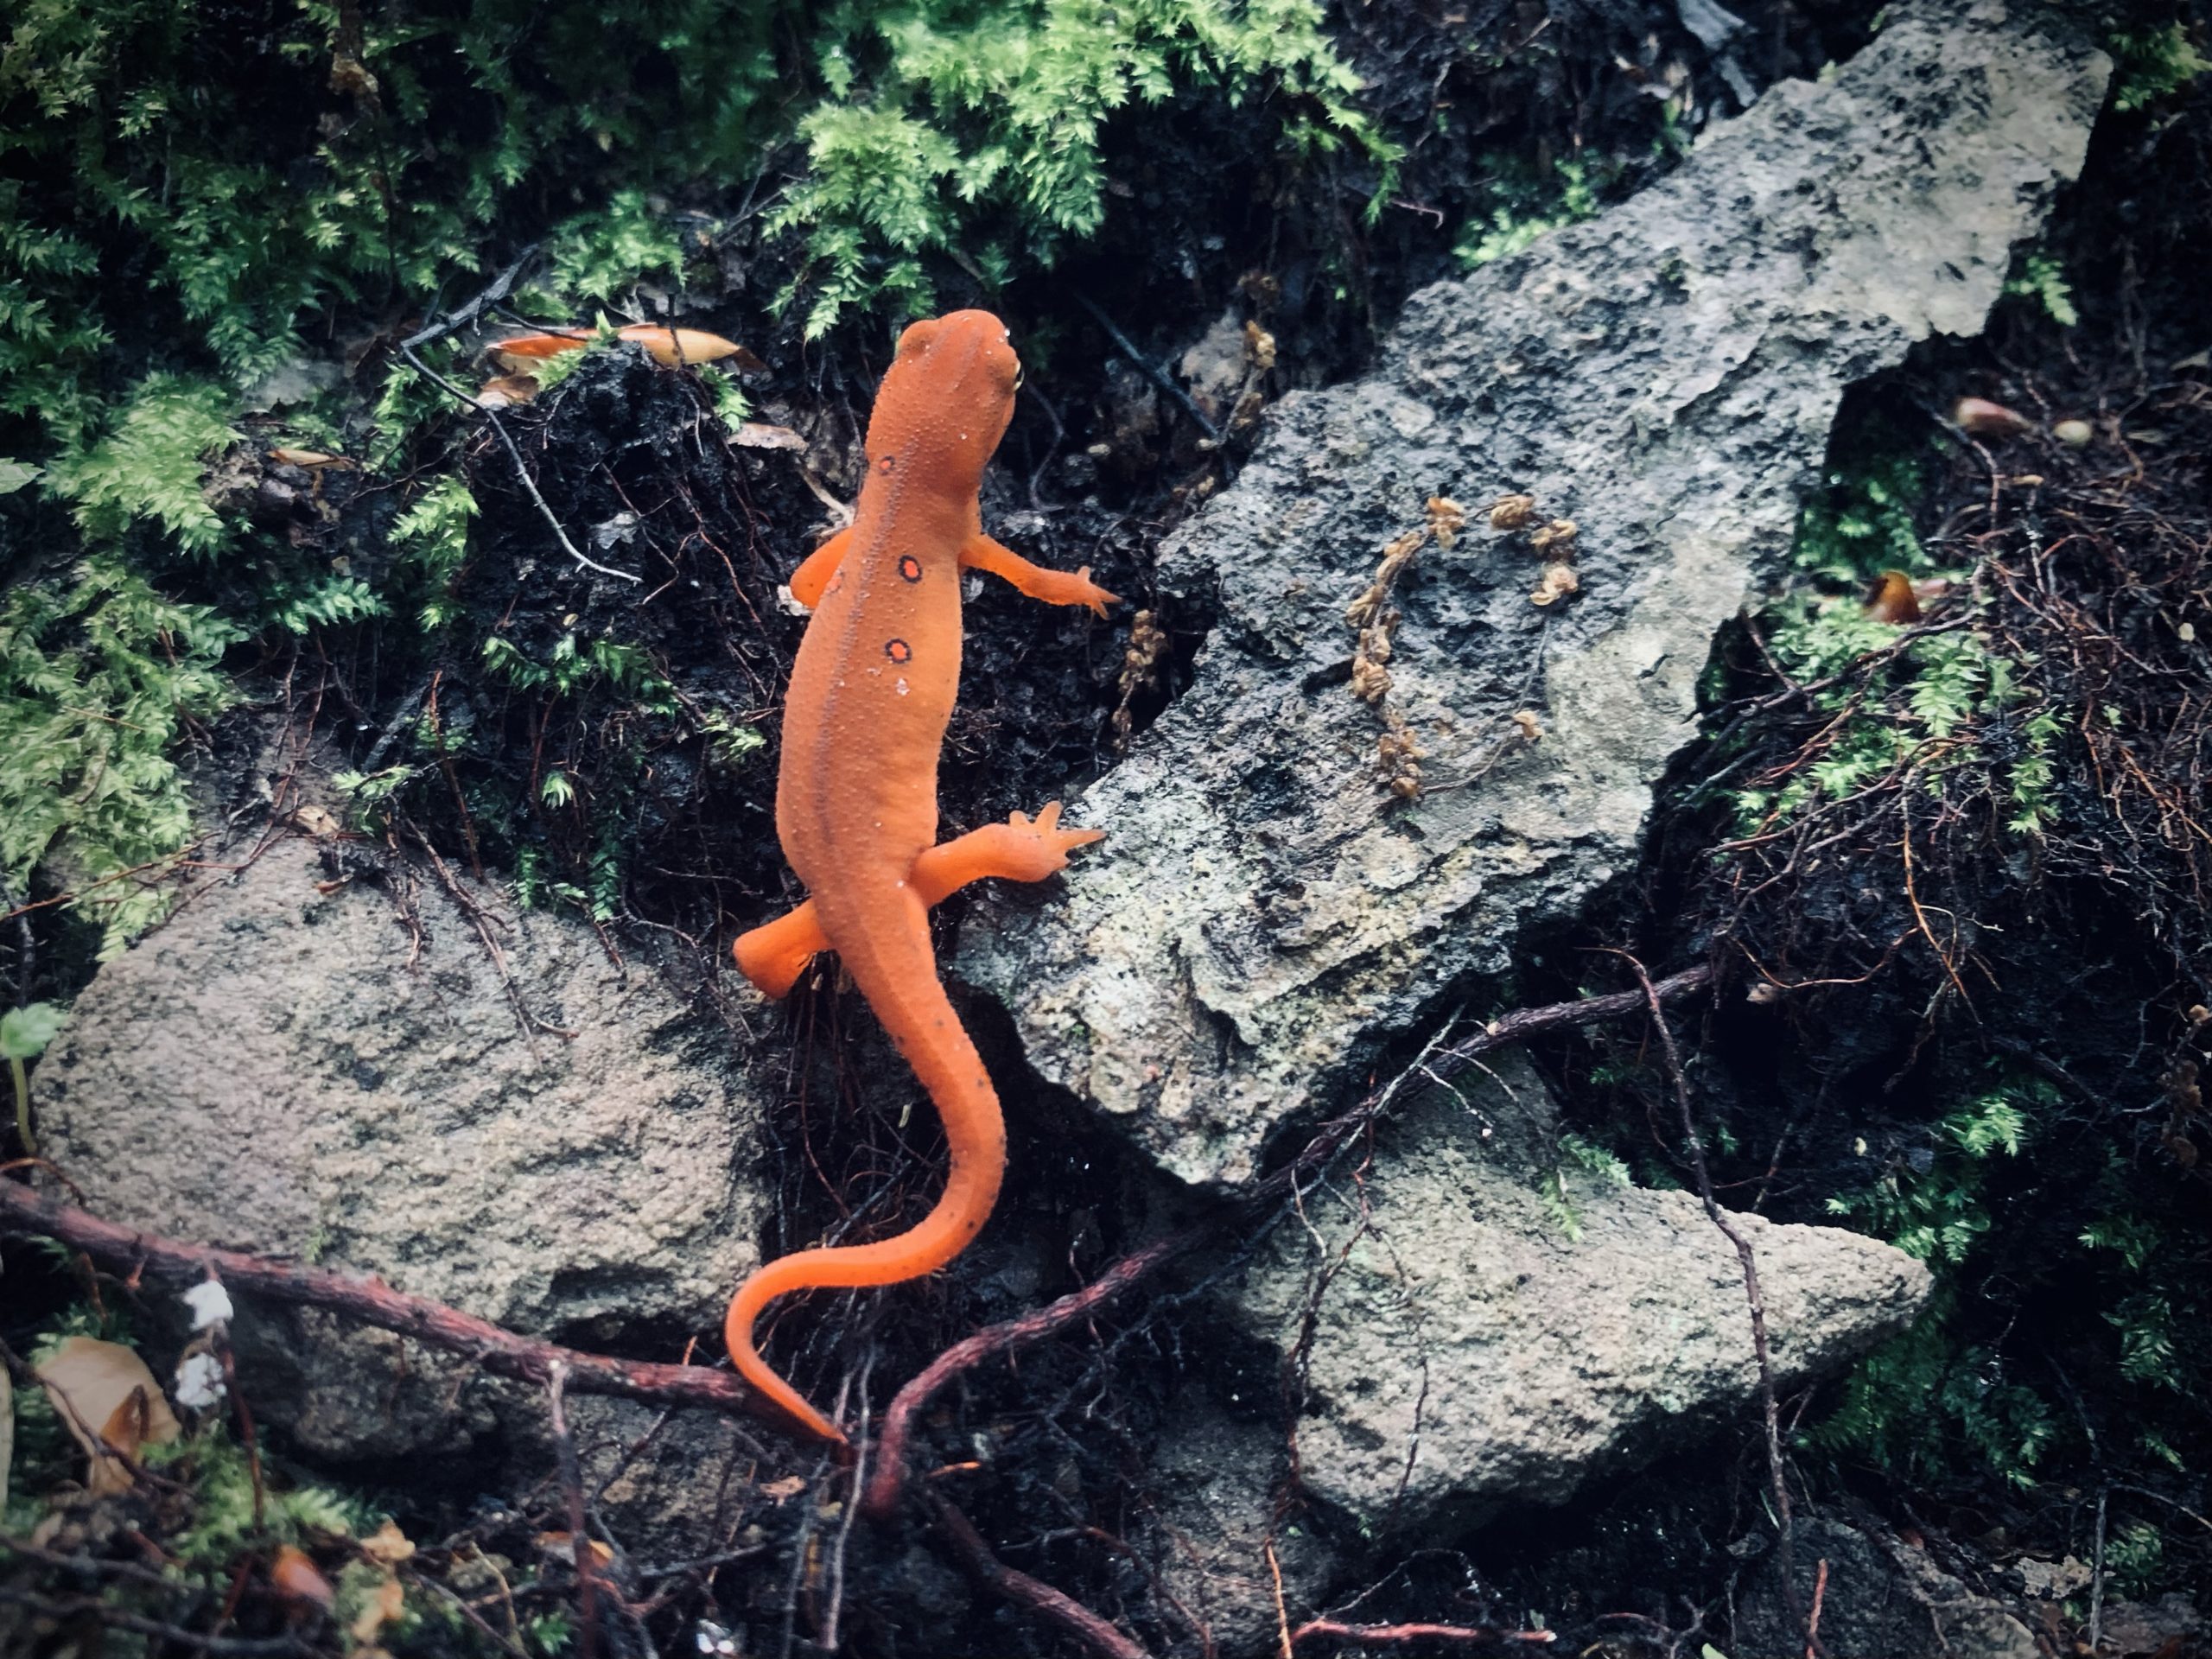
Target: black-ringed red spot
[[888, 463], [898, 650], [910, 567]]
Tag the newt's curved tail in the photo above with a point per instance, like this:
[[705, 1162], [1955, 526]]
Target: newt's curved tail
[[901, 986]]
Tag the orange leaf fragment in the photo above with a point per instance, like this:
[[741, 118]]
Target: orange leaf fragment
[[295, 1577], [527, 345], [562, 1547], [384, 1606], [673, 347], [670, 347], [1892, 599]]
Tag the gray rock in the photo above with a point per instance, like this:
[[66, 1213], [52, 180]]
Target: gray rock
[[293, 1071], [1883, 1597], [1496, 1324], [1664, 376]]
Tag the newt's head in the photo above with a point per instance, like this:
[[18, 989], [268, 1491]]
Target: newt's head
[[945, 403]]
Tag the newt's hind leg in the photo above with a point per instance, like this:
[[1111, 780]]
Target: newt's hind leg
[[774, 955], [1017, 850]]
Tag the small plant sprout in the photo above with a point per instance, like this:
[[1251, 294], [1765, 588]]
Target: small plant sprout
[[24, 1033]]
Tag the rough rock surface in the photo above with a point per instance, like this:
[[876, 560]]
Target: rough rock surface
[[1883, 1597], [1665, 377], [1497, 1325], [280, 1069]]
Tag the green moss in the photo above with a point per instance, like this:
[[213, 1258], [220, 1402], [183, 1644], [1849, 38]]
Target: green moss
[[99, 674], [2153, 63], [1524, 207], [950, 126]]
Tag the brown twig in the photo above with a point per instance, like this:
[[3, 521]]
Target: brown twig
[[522, 468], [1813, 1620], [371, 1302], [223, 1647], [1372, 1636], [1720, 1218], [572, 1488], [881, 1499], [1098, 1635]]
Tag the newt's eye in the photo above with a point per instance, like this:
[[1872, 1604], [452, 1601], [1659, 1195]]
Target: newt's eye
[[1019, 375]]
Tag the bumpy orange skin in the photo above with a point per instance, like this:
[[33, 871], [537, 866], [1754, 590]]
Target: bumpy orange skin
[[856, 798]]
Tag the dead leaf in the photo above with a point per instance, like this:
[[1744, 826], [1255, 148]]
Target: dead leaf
[[317, 820], [1892, 600], [103, 1391], [297, 1578], [384, 1606], [506, 391], [789, 1486], [514, 351], [562, 1547], [308, 458], [670, 347], [1531, 724], [1988, 420], [761, 435], [388, 1545], [673, 347]]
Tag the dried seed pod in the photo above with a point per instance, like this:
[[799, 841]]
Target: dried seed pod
[[1510, 513], [1557, 534], [1556, 583]]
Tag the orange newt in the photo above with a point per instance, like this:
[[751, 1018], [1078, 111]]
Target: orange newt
[[856, 797]]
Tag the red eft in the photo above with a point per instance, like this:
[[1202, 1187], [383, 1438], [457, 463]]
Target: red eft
[[856, 795]]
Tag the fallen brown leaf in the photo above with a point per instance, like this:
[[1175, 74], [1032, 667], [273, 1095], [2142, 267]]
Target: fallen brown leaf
[[1986, 419], [388, 1545], [102, 1392], [1892, 600], [506, 391], [384, 1606]]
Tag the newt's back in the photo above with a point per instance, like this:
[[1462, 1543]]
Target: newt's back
[[879, 666]]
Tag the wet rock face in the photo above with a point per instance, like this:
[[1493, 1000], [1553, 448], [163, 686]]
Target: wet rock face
[[1663, 376], [343, 1077]]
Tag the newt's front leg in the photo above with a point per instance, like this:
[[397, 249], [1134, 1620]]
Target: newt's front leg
[[774, 955], [979, 552]]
